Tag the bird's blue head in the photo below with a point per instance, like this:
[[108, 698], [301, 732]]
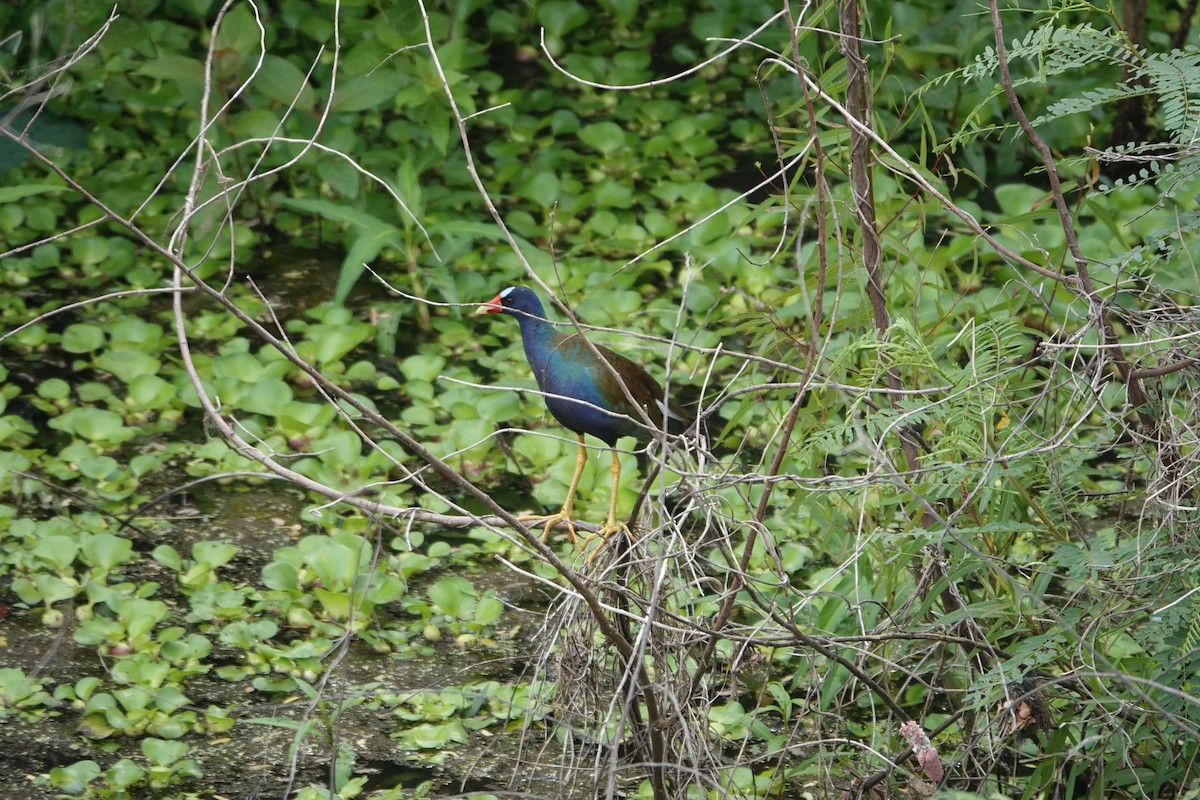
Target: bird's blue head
[[516, 301]]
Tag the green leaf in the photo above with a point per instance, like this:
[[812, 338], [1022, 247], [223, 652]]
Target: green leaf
[[186, 73], [336, 565], [94, 424], [9, 194], [385, 589], [488, 610], [52, 589], [167, 556], [281, 576], [366, 91], [150, 391], [281, 80], [135, 334], [128, 364], [54, 389], [90, 250], [422, 367], [163, 752], [213, 553], [98, 468], [267, 397], [498, 406], [57, 550], [454, 596], [542, 187], [560, 17], [243, 366], [82, 337], [106, 551], [365, 248], [334, 342], [607, 137], [124, 774]]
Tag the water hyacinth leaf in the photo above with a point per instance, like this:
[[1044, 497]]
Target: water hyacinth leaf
[[58, 551], [169, 699], [13, 462], [335, 564], [385, 589], [168, 728], [106, 551], [272, 685], [134, 333], [90, 250], [16, 686], [454, 596], [560, 17], [488, 610], [607, 137], [127, 365], [334, 342], [161, 752], [139, 615], [98, 468], [429, 736], [267, 397], [94, 424], [298, 417], [498, 406], [75, 778], [124, 774], [341, 605], [97, 630], [240, 365], [422, 367], [82, 337], [281, 576], [340, 447], [150, 391], [54, 389], [94, 392], [248, 634], [167, 556], [213, 553]]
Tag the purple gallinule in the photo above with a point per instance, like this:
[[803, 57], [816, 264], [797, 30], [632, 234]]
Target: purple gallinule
[[607, 399]]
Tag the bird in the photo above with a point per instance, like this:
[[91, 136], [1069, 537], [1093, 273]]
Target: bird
[[589, 389]]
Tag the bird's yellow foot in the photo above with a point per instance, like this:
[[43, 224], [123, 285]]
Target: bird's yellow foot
[[551, 520], [606, 530]]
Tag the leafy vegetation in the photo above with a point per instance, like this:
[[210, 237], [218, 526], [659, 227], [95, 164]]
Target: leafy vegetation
[[939, 320]]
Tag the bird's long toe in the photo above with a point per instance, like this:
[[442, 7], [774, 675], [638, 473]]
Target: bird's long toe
[[606, 530], [550, 520]]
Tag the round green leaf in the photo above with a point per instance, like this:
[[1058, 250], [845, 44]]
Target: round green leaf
[[82, 337]]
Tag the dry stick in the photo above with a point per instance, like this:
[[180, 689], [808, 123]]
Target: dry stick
[[410, 444]]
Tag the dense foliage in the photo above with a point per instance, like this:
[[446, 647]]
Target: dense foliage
[[939, 317]]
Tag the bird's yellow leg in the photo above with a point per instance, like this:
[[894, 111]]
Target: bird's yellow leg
[[611, 525], [567, 513]]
